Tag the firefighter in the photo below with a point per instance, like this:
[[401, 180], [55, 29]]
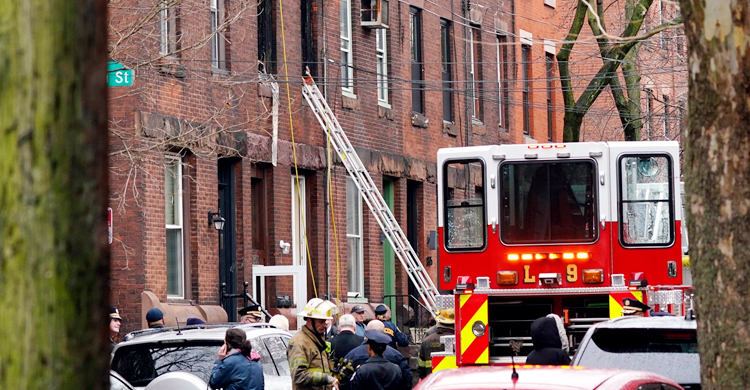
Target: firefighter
[[307, 351], [377, 373], [391, 329], [445, 327], [547, 345]]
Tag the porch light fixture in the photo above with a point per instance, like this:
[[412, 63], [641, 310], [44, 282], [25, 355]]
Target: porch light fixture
[[216, 220]]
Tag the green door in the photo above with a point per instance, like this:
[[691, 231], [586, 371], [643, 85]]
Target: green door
[[389, 265]]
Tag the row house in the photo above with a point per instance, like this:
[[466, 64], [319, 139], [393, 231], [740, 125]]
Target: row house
[[222, 180]]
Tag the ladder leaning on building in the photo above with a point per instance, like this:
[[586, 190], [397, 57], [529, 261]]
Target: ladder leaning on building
[[375, 202]]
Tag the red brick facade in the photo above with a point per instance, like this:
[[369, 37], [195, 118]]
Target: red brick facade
[[221, 121]]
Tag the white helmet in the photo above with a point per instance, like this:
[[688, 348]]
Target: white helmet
[[318, 308]]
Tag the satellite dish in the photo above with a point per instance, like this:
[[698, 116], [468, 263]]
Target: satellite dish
[[177, 380]]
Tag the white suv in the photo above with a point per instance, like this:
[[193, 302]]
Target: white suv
[[150, 353], [665, 345]]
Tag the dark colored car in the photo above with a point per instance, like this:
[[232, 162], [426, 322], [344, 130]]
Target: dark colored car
[[544, 378], [664, 345], [146, 355]]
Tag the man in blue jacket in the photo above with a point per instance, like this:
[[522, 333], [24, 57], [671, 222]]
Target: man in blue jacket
[[397, 337], [377, 373], [359, 356]]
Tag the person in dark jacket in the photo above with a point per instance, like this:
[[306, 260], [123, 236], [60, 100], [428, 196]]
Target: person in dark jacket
[[256, 372], [377, 373], [397, 337], [346, 340], [233, 369], [445, 327], [359, 356], [547, 345]]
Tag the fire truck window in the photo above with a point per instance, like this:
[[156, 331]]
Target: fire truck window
[[465, 226], [646, 211], [548, 202]]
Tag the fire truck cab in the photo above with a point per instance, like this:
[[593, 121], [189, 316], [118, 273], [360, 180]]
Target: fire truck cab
[[533, 229]]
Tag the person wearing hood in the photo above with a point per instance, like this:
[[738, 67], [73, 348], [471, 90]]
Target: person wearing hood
[[547, 344]]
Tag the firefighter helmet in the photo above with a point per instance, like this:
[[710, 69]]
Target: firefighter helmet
[[446, 316], [318, 308]]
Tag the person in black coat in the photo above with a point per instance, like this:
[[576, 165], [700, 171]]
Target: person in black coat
[[547, 344], [346, 340], [359, 356], [377, 373]]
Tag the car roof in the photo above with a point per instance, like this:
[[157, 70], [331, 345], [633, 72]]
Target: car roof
[[665, 322], [531, 377], [202, 332]]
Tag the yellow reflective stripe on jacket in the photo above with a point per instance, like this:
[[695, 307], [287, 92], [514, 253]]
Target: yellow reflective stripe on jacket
[[424, 363]]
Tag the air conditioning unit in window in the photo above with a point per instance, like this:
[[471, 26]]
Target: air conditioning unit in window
[[375, 13]]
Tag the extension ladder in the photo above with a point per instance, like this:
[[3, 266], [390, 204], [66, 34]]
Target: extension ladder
[[388, 224]]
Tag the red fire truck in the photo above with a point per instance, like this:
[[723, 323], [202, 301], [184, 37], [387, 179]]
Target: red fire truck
[[565, 228]]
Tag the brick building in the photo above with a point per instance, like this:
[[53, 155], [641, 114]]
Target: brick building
[[215, 127]]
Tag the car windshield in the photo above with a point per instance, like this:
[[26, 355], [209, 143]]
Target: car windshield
[[669, 352], [139, 364]]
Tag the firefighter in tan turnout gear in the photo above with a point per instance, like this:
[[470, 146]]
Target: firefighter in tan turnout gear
[[307, 351]]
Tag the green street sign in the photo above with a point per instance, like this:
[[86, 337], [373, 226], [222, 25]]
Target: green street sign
[[118, 75]]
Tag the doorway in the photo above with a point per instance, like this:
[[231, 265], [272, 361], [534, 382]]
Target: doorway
[[227, 240]]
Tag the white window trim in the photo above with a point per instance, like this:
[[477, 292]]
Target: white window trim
[[551, 3], [173, 158], [347, 84], [381, 56], [500, 102], [163, 29], [472, 76], [216, 36], [361, 277], [527, 38], [299, 236]]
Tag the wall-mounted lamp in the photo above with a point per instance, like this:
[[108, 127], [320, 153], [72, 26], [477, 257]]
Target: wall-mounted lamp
[[216, 220]]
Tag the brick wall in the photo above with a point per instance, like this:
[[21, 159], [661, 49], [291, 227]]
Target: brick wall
[[179, 104]]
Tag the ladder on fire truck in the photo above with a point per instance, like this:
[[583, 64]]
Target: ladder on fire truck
[[375, 202]]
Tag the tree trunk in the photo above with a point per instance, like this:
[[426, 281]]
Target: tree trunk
[[54, 267], [717, 172]]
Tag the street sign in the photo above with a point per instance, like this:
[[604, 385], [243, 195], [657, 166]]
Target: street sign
[[109, 225], [118, 75]]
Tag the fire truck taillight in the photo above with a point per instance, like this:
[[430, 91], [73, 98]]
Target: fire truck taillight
[[507, 278], [568, 256], [592, 276], [526, 256], [554, 256], [582, 255], [540, 256], [513, 257]]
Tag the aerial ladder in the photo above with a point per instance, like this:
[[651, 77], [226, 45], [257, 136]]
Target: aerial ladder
[[375, 202]]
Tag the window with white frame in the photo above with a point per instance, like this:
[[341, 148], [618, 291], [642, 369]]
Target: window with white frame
[[174, 226], [167, 18], [381, 50], [347, 64], [355, 273], [475, 73], [218, 40], [502, 82]]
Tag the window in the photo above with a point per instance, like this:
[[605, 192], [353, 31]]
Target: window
[[502, 82], [167, 28], [464, 225], [666, 115], [218, 39], [308, 25], [526, 91], [649, 110], [415, 43], [174, 225], [347, 63], [548, 202], [267, 36], [299, 221], [646, 210], [475, 73], [381, 52], [355, 272], [446, 60], [550, 62]]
